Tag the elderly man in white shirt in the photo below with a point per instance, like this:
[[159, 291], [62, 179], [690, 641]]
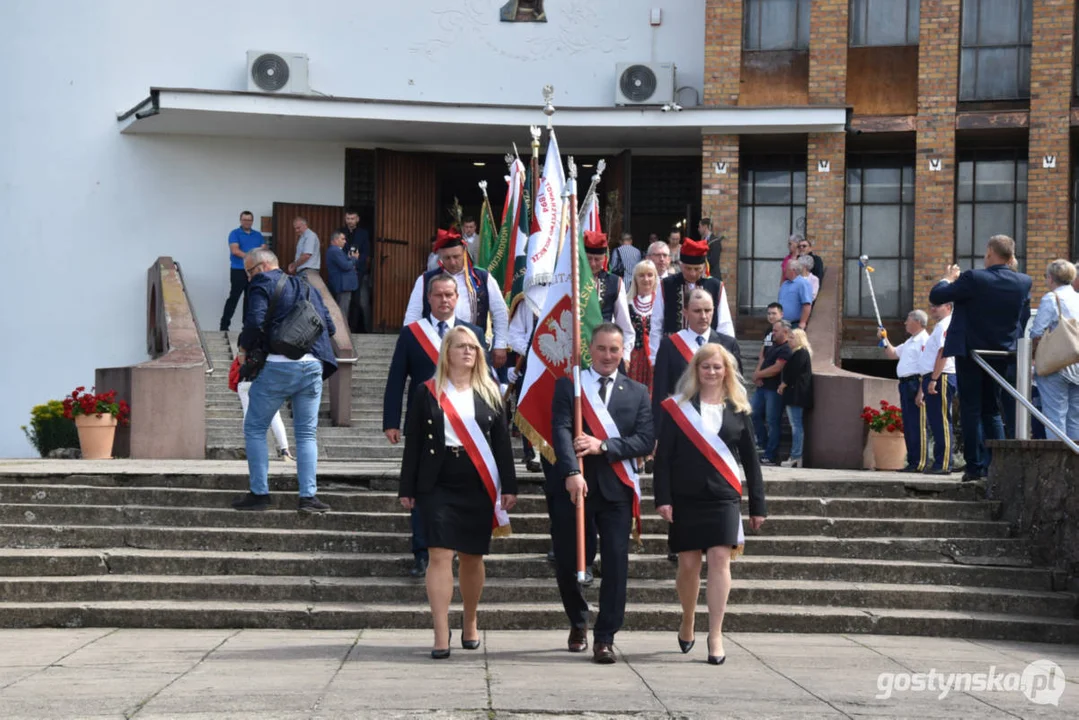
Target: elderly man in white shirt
[[909, 355], [937, 394], [474, 305]]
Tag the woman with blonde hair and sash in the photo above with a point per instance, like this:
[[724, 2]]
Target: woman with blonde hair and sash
[[706, 453], [458, 463]]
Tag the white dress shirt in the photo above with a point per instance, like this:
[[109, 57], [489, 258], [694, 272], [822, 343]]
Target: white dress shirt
[[499, 311], [610, 386], [464, 402], [933, 346], [657, 331], [520, 329], [910, 354], [450, 324], [712, 417]]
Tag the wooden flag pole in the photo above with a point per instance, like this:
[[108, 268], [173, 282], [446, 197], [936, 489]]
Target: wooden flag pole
[[575, 294]]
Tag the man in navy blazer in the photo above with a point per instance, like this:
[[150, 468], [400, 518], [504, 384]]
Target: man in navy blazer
[[413, 364], [608, 501], [989, 306], [341, 271]]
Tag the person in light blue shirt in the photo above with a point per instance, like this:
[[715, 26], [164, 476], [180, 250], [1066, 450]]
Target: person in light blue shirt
[[242, 240], [796, 297], [1059, 390]]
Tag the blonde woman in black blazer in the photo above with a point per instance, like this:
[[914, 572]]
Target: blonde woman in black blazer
[[695, 484], [443, 473]]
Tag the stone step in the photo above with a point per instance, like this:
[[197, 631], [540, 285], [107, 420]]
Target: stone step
[[135, 561], [286, 518], [514, 616], [383, 476], [312, 538], [386, 502], [364, 590]]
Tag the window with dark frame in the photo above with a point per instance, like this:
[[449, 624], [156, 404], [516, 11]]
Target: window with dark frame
[[880, 224], [884, 22], [991, 199], [995, 59], [772, 205], [775, 25]]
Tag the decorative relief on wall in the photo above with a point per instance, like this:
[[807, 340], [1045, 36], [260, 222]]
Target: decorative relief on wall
[[523, 11], [576, 29]]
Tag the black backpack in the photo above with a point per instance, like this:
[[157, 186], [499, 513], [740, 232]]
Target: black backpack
[[299, 330]]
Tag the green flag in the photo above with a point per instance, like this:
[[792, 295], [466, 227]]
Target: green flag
[[487, 256], [590, 313]]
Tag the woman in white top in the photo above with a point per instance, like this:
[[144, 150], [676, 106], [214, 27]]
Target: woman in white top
[[456, 440], [1060, 390], [706, 451]]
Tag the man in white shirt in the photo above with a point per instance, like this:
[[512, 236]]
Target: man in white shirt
[[909, 355], [476, 303], [937, 393], [660, 255], [470, 238], [308, 250]]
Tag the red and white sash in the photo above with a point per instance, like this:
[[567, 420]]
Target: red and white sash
[[427, 337], [603, 427], [710, 444], [685, 342], [478, 450]]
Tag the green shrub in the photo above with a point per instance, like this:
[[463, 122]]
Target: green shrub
[[49, 429]]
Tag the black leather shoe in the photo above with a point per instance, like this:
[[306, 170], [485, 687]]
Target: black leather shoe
[[938, 471], [251, 501], [588, 578], [550, 555], [715, 659], [533, 466], [420, 568], [603, 654], [909, 469], [578, 640], [684, 646], [672, 557], [972, 476], [444, 653]]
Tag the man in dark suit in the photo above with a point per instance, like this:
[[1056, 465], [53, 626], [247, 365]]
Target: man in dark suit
[[414, 360], [989, 306], [358, 245], [606, 486], [676, 350]]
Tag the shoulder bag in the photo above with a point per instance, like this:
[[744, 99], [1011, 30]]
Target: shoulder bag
[[1058, 347]]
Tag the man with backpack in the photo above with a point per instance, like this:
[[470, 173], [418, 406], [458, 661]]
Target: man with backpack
[[285, 349]]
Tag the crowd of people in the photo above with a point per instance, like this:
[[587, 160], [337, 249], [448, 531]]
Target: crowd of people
[[664, 393]]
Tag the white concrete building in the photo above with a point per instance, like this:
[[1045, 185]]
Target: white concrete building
[[90, 196]]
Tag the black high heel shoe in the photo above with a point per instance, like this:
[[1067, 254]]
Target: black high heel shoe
[[469, 644], [442, 654], [686, 646], [715, 659]]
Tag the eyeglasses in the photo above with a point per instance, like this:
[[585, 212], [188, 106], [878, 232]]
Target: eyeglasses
[[659, 255], [803, 246]]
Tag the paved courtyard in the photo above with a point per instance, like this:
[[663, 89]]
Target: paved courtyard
[[187, 674]]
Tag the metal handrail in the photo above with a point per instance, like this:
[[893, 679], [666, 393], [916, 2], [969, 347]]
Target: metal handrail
[[1029, 406], [195, 319]]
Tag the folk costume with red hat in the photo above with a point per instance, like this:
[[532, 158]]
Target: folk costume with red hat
[[667, 312], [612, 292], [479, 295]]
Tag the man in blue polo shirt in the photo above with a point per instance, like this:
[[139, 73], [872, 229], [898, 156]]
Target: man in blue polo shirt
[[796, 297], [241, 241]]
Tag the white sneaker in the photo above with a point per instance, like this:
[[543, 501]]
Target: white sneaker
[[791, 463]]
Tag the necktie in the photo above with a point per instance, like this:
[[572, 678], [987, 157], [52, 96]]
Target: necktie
[[700, 340], [603, 382], [441, 329]]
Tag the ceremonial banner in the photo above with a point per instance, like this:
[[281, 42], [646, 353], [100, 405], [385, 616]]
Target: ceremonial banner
[[489, 251], [510, 237], [520, 254], [550, 354], [543, 236]]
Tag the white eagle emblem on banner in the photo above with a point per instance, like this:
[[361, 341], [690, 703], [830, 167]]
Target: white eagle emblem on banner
[[557, 346]]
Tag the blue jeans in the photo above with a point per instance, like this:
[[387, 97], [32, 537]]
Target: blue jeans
[[279, 381], [1060, 403], [767, 411], [794, 415]]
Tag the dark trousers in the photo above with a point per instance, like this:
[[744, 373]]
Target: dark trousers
[[938, 415], [979, 411], [613, 520], [237, 288], [357, 322], [914, 425]]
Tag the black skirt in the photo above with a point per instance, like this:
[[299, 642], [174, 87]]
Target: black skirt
[[458, 513], [701, 523]]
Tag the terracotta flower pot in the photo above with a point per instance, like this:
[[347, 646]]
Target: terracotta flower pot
[[96, 433], [889, 450]]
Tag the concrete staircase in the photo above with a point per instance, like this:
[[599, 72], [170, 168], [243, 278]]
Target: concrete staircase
[[850, 553], [364, 440]]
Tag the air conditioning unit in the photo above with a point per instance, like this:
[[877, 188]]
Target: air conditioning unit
[[277, 72], [644, 83]]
